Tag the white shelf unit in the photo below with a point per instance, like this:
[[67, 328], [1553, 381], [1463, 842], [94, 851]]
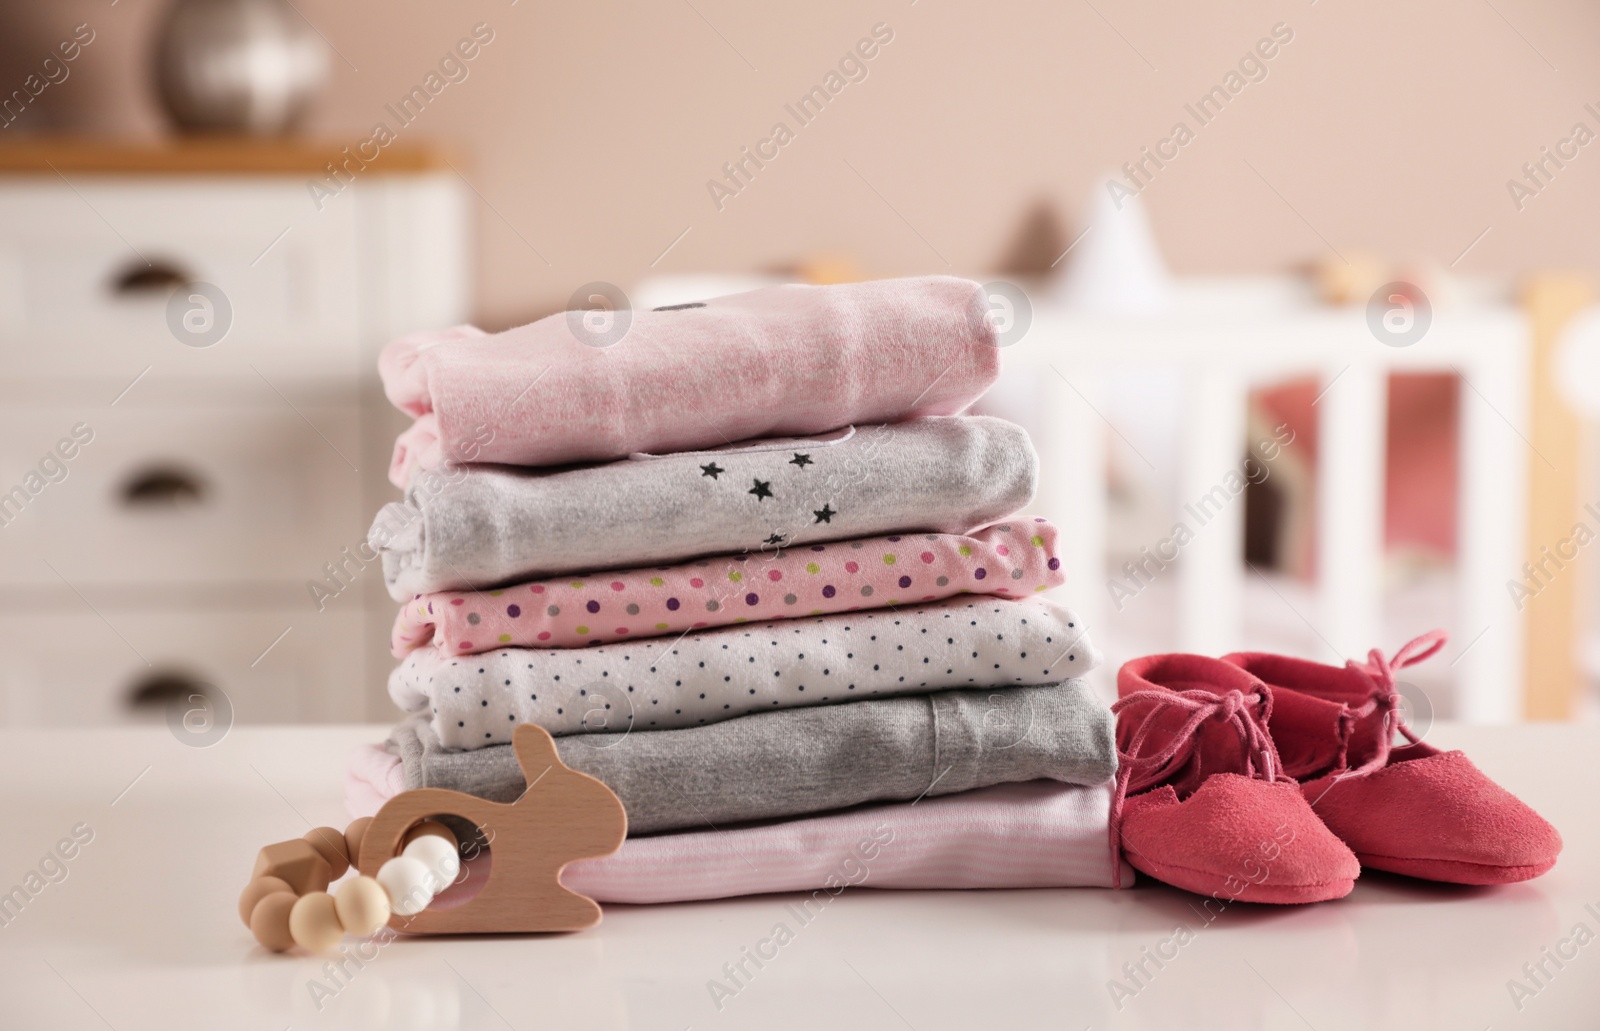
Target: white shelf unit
[[220, 479]]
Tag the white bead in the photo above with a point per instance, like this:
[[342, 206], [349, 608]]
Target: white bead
[[409, 884], [439, 856]]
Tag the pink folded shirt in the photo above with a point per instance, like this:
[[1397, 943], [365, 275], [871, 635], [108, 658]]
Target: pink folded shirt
[[1036, 834], [782, 361], [1011, 560], [372, 776]]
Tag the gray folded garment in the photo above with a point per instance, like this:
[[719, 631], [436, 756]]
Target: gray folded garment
[[464, 527], [796, 761]]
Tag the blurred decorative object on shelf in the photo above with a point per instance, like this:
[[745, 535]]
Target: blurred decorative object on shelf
[[247, 66], [1349, 279], [829, 269], [1577, 363], [1038, 244], [1354, 277], [1115, 267]]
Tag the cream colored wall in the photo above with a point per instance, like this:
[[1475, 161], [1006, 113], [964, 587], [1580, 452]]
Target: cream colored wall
[[592, 128]]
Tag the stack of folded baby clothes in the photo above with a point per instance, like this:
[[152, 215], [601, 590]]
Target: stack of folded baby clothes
[[745, 563]]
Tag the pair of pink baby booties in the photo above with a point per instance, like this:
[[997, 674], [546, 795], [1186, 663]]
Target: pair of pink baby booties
[[1263, 778]]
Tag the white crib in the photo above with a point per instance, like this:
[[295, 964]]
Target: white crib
[[1225, 336]]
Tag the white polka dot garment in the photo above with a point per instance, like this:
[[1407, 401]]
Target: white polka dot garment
[[718, 674]]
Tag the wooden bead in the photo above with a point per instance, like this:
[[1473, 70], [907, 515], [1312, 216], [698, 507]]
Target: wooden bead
[[439, 856], [426, 827], [296, 862], [353, 836], [314, 922], [329, 843], [409, 884], [362, 906], [269, 921], [257, 890]]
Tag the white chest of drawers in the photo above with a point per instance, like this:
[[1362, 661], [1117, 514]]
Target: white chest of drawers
[[165, 502]]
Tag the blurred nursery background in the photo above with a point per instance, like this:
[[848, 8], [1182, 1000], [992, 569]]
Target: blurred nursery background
[[1306, 341]]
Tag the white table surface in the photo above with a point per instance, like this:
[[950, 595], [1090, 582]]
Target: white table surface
[[142, 932]]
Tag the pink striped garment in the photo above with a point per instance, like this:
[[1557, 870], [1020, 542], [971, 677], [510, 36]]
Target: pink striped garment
[[1037, 834]]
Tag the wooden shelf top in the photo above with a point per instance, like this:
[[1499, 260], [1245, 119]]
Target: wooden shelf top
[[207, 155]]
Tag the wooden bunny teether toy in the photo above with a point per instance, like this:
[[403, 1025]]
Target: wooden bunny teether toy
[[561, 816], [405, 858]]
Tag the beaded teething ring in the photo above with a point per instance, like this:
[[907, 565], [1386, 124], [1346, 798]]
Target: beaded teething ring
[[404, 856], [287, 903]]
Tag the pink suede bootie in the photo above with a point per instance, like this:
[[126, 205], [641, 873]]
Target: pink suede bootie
[[1410, 810], [1201, 801]]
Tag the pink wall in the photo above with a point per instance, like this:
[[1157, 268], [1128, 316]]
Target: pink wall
[[594, 127]]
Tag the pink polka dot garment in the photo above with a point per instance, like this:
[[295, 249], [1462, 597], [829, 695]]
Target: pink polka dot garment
[[1011, 560]]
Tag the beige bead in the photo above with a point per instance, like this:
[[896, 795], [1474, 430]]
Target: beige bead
[[362, 906], [296, 862], [314, 922], [329, 843], [257, 890], [353, 836], [433, 827], [269, 921]]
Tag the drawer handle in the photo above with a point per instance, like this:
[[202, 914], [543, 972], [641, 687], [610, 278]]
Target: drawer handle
[[198, 714], [158, 277], [167, 687], [163, 487]]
